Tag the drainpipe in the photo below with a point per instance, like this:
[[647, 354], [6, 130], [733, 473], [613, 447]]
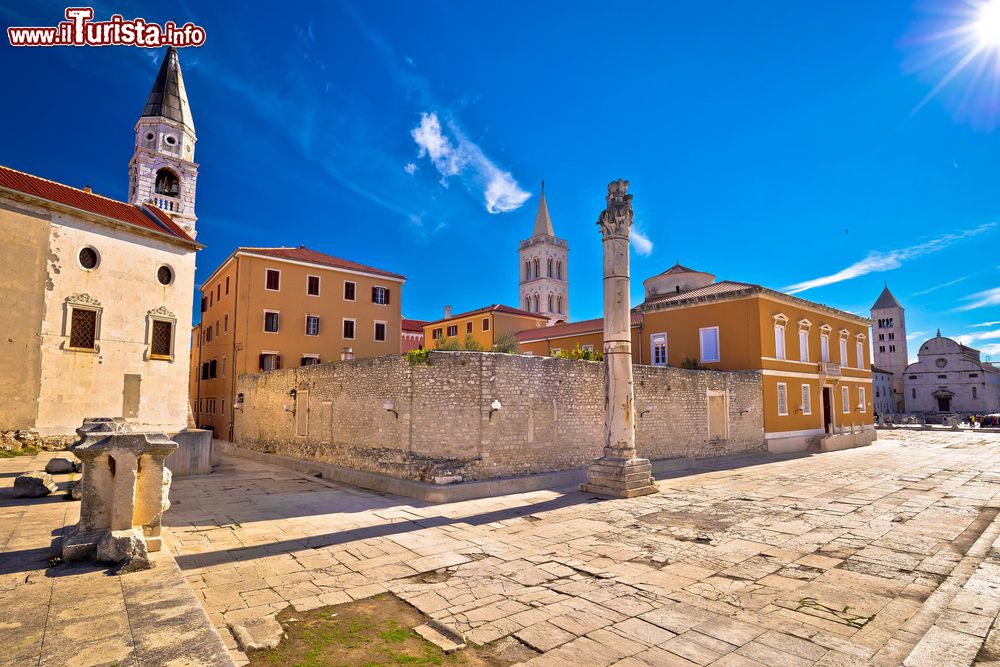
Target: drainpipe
[[232, 368]]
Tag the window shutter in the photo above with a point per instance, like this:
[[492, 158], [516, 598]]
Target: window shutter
[[277, 362], [204, 304], [374, 290], [260, 363], [386, 292]]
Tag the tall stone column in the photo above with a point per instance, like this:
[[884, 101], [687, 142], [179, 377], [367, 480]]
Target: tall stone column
[[618, 473]]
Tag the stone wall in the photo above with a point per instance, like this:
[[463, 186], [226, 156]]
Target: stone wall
[[551, 416]]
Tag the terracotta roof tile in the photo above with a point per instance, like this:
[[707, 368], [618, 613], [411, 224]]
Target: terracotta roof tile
[[147, 217], [493, 308], [413, 325], [304, 254], [571, 328]]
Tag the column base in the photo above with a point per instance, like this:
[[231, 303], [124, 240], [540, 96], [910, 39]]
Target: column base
[[620, 478]]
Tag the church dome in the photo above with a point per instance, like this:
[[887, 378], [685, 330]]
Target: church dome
[[675, 280]]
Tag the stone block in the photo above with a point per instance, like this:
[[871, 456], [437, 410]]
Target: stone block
[[62, 465], [257, 634], [126, 548], [35, 484], [620, 478]]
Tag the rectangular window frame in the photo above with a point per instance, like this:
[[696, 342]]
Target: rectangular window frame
[[656, 341], [319, 283], [267, 275], [97, 328], [824, 347], [845, 398], [804, 345], [277, 314], [859, 348], [309, 355], [779, 342], [806, 399], [385, 331], [452, 331], [436, 334], [308, 319], [172, 323], [862, 399], [781, 392], [354, 328], [353, 290], [384, 292], [701, 345], [486, 324]]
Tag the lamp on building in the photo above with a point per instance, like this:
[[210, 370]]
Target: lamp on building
[[494, 406], [647, 408], [391, 407], [744, 411]]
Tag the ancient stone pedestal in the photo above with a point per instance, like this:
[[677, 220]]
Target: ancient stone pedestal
[[123, 493], [619, 472]]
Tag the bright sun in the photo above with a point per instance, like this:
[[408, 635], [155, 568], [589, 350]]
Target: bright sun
[[987, 24]]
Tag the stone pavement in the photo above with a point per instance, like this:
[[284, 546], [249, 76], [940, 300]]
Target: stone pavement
[[80, 615], [844, 558]]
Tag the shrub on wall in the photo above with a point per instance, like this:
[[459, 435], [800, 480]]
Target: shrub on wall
[[506, 343], [417, 358], [580, 353]]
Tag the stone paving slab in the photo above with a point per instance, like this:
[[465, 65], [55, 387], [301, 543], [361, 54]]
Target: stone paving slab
[[825, 559], [80, 615]]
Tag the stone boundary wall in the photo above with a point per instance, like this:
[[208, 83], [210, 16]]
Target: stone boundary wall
[[551, 416]]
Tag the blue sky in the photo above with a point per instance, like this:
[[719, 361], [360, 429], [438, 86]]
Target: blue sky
[[794, 144]]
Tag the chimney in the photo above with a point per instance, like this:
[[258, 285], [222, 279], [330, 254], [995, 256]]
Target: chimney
[[346, 354], [87, 189], [447, 312]]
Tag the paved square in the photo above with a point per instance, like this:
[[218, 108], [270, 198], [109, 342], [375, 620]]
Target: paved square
[[851, 557]]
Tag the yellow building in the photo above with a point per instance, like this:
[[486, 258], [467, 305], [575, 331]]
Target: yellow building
[[270, 308], [815, 359], [484, 325]]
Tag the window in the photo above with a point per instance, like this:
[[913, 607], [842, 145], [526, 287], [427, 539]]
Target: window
[[170, 274], [892, 348], [204, 371], [89, 259], [538, 273], [271, 321], [914, 390], [559, 271], [312, 285], [486, 324], [348, 329], [468, 327], [782, 399], [380, 331], [590, 348], [974, 393], [312, 325], [161, 339], [551, 303], [272, 280], [806, 399], [527, 271], [211, 295], [270, 361], [213, 368], [223, 365], [843, 352], [550, 266], [216, 328], [204, 304], [452, 330], [881, 348], [559, 308], [845, 399], [535, 302], [208, 335], [709, 339], [860, 349], [227, 285], [349, 289], [225, 323], [556, 351], [527, 303], [658, 344], [222, 407], [943, 377], [380, 295], [803, 345], [309, 360], [862, 400], [779, 341], [167, 183], [436, 334], [824, 345], [83, 329]]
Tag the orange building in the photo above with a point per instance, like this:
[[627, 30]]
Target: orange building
[[815, 359], [270, 308], [484, 325]]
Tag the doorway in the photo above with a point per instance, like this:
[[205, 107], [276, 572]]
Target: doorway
[[827, 409], [944, 403]]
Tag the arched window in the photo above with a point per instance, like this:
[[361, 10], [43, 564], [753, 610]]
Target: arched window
[[551, 303], [559, 271], [527, 270], [167, 183], [549, 269], [559, 305], [527, 303], [538, 272], [536, 300]]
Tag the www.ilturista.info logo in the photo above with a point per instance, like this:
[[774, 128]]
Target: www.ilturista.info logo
[[79, 29]]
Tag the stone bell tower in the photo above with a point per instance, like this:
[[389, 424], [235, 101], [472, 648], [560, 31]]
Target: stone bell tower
[[544, 283], [889, 342], [162, 171]]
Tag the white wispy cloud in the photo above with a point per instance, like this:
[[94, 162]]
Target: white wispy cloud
[[941, 286], [968, 339], [915, 335], [987, 324], [641, 242], [991, 349], [877, 262], [990, 297], [410, 168], [457, 156]]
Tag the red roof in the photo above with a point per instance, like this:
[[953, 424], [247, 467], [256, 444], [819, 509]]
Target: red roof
[[304, 254], [147, 217], [413, 325], [571, 329], [494, 308]]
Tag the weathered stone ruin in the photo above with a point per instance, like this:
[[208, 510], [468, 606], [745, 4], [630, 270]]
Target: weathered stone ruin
[[123, 494]]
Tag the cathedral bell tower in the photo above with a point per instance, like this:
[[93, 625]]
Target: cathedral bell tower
[[162, 171], [889, 342], [544, 283]]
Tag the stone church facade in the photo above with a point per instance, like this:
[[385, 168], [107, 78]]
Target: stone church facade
[[951, 378], [102, 288]]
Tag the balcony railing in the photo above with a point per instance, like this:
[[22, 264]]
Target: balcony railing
[[829, 368], [167, 203]]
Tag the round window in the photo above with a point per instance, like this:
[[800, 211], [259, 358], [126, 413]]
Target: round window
[[149, 136], [89, 259], [165, 275], [171, 140], [941, 363]]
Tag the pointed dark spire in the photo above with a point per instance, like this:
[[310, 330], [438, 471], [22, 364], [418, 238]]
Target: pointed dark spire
[[543, 223], [168, 99], [886, 299]]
